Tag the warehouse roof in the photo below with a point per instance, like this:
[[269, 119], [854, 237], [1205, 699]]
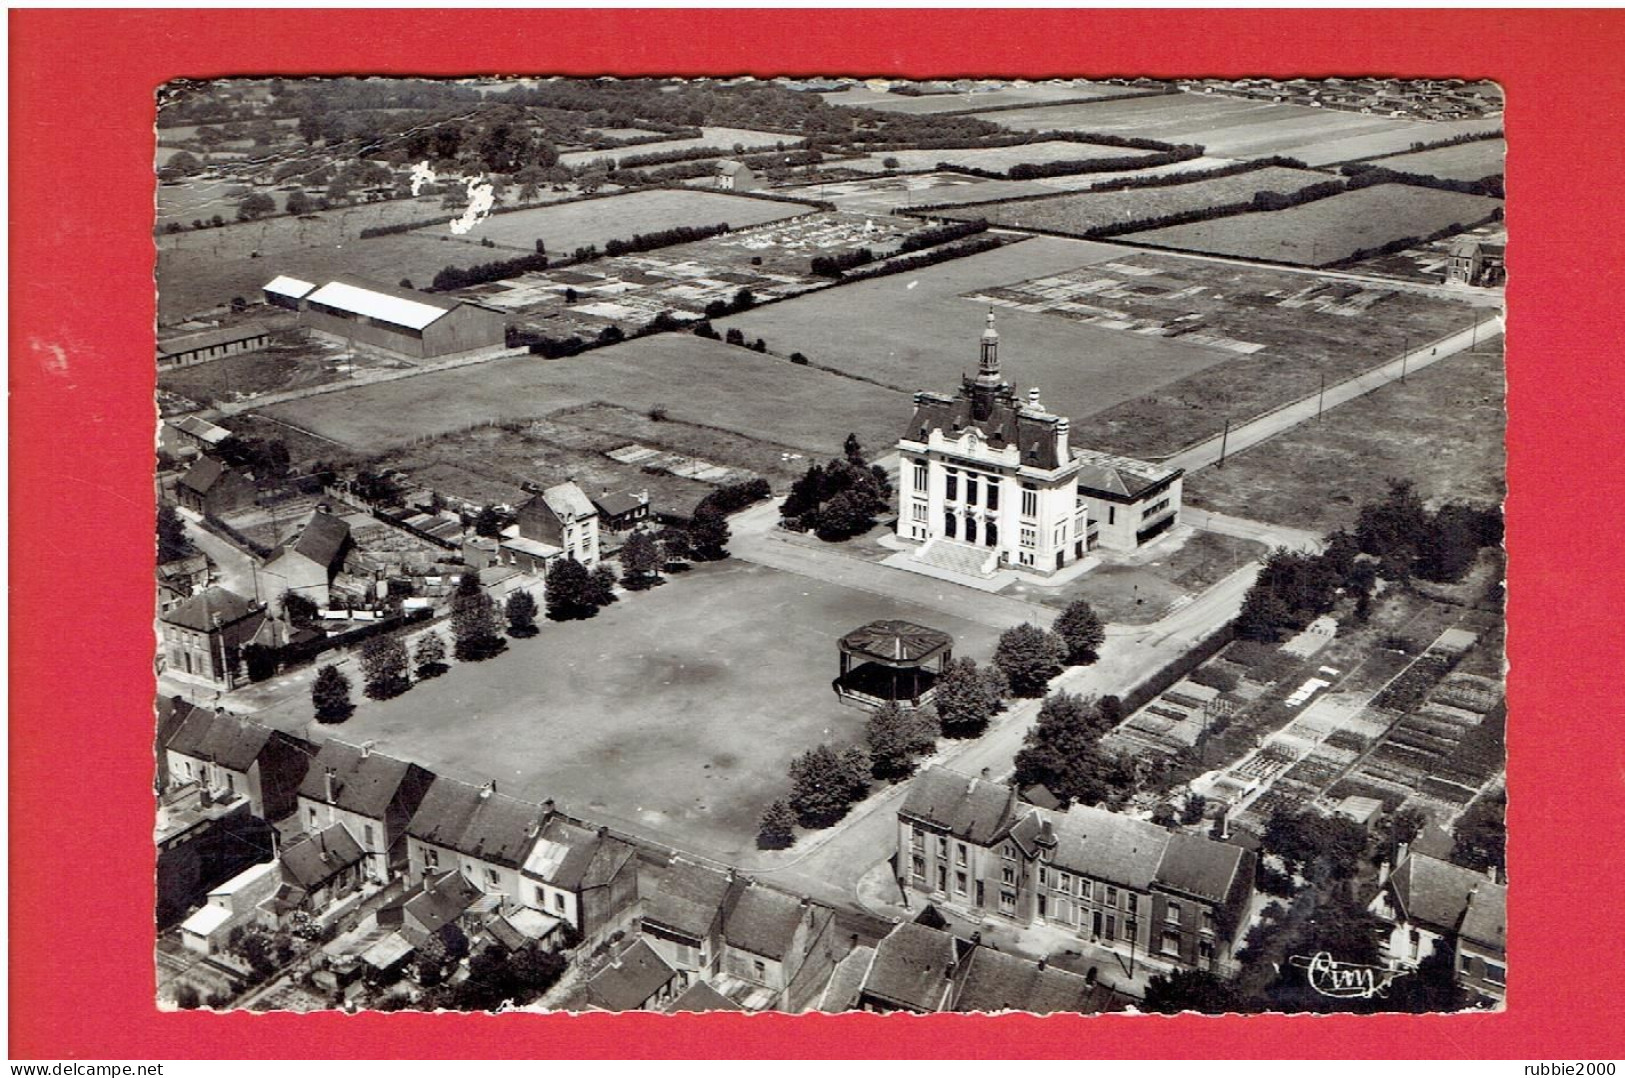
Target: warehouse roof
[[193, 342], [397, 306], [289, 286]]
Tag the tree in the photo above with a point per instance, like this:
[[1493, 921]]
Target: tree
[[1083, 632], [897, 736], [384, 664], [853, 450], [1029, 657], [1307, 838], [708, 534], [430, 655], [255, 206], [1394, 528], [1190, 990], [1195, 809], [173, 543], [570, 591], [890, 164], [1062, 751], [488, 522], [641, 560], [521, 613], [298, 203], [179, 166], [299, 611], [967, 697], [1450, 545], [778, 826], [601, 586], [1481, 835], [674, 544], [824, 784], [475, 633], [330, 693]]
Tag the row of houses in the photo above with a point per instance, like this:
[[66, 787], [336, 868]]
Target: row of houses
[[516, 871]]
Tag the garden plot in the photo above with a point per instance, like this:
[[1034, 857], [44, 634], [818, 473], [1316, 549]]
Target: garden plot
[[655, 460], [918, 104], [1464, 161]]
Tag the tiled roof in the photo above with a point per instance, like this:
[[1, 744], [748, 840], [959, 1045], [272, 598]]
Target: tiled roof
[[199, 427], [1436, 893], [912, 968], [202, 475], [485, 824], [976, 810], [229, 740], [1200, 866], [321, 540], [700, 997], [631, 979], [202, 610], [446, 898], [563, 854], [1007, 423], [567, 500], [993, 981], [1485, 921], [687, 898], [365, 782], [616, 502], [764, 922], [1125, 477], [318, 858], [1109, 846]]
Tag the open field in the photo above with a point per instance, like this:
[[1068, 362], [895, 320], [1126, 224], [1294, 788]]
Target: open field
[[1443, 427], [1466, 161], [1035, 94], [721, 138], [592, 222], [916, 331], [1327, 230], [886, 193], [1280, 329], [697, 380], [996, 158], [654, 712], [1077, 213], [1237, 127]]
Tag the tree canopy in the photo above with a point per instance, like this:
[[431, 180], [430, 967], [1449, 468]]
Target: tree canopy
[[475, 631], [385, 664], [1083, 632], [1029, 657], [967, 697], [897, 737], [1062, 751], [330, 694], [521, 613], [570, 594], [824, 783]]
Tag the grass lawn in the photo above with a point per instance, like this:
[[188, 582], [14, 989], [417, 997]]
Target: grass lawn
[[696, 380], [999, 158], [719, 138], [1038, 94], [915, 331], [578, 224], [676, 710], [1183, 564], [1443, 427], [1466, 161], [1329, 229], [1076, 213]]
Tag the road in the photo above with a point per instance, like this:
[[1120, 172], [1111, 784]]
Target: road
[[235, 570], [1270, 424]]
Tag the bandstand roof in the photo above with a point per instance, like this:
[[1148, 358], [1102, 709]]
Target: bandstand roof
[[896, 643]]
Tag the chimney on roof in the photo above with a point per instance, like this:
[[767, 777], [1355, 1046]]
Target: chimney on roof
[[533, 828], [1401, 853], [603, 831], [1033, 403], [1383, 871], [366, 749], [488, 789], [987, 774], [1046, 834], [1063, 439], [548, 807], [1043, 963], [331, 777], [1492, 874]]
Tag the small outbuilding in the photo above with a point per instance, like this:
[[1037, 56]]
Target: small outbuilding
[[892, 662]]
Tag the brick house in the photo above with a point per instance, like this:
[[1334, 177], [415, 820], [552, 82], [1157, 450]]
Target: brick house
[[212, 489], [374, 796], [1118, 882], [560, 521], [227, 754], [202, 638]]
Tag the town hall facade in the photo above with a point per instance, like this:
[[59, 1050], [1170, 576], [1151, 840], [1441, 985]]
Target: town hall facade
[[990, 481]]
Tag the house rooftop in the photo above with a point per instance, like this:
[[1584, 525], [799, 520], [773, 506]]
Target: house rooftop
[[1200, 866], [977, 810], [572, 857], [370, 299], [1437, 894], [700, 997], [764, 921], [317, 858], [442, 900], [322, 540], [211, 338], [477, 821], [913, 968], [364, 782], [209, 609], [631, 979], [687, 898], [220, 737], [1123, 476], [993, 981]]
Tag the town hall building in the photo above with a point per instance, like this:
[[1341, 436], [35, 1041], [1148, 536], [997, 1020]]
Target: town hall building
[[990, 481]]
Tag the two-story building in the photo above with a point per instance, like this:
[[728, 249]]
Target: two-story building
[[202, 638], [683, 918], [1436, 905], [308, 564], [226, 754], [767, 936], [474, 830], [582, 876], [559, 522], [1113, 880], [374, 796]]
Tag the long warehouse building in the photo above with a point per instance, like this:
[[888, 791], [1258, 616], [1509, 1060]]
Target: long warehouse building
[[409, 323]]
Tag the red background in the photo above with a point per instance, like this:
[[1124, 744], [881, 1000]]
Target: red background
[[81, 500]]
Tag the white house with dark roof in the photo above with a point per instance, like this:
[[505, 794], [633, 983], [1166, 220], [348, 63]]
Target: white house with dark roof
[[474, 830], [973, 845], [561, 521], [308, 564], [582, 876], [1435, 905], [230, 756]]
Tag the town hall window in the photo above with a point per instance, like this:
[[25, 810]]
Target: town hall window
[[970, 490], [919, 476], [992, 493], [1029, 500], [952, 493]]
